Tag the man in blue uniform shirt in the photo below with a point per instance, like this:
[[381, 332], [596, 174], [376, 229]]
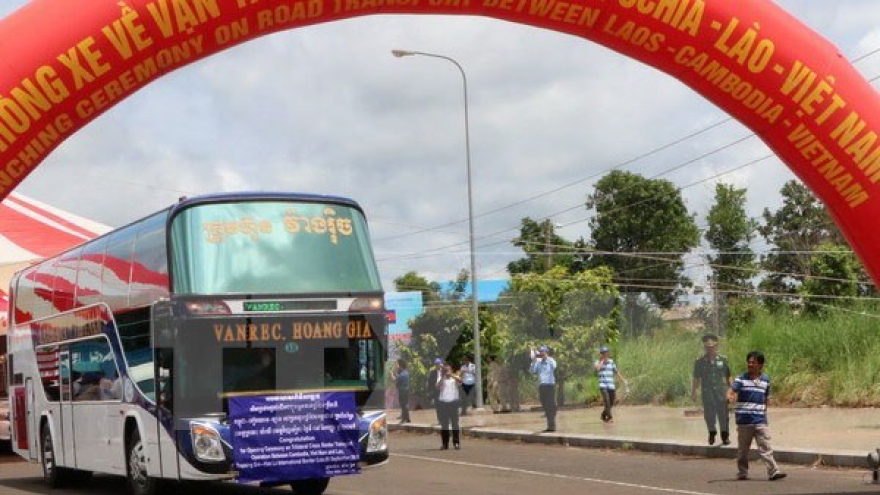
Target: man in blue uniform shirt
[[545, 367]]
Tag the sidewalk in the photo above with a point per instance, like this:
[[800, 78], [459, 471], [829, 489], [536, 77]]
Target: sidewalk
[[820, 436]]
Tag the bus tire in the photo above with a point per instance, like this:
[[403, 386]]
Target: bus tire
[[55, 477], [314, 486], [137, 480]]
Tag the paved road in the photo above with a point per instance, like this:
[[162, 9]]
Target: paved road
[[487, 467]]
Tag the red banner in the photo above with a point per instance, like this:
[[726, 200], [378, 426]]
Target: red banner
[[64, 63]]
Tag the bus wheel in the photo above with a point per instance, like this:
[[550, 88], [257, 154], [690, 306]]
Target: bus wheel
[[139, 483], [54, 476], [314, 486]]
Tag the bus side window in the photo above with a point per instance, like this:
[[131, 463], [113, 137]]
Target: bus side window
[[88, 273], [134, 334], [149, 271], [96, 376], [116, 275], [49, 363]]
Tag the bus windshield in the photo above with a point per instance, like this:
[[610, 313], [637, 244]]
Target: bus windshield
[[271, 247]]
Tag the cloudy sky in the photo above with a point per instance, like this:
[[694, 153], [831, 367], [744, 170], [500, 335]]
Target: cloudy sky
[[327, 109]]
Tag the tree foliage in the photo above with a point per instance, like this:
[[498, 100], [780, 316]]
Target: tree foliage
[[729, 233], [445, 329], [795, 230], [412, 281], [572, 313], [637, 221], [833, 279], [544, 249]]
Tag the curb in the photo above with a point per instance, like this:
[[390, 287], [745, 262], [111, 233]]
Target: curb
[[783, 455]]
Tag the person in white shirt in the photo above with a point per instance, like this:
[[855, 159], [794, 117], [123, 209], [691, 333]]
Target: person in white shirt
[[448, 399], [468, 374]]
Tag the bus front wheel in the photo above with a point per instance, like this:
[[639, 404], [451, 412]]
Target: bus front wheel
[[54, 476], [310, 487], [137, 479]]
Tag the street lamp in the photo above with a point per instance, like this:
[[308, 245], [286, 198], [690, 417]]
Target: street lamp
[[478, 361]]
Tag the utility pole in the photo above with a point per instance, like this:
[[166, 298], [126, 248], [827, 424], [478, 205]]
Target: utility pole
[[716, 318], [547, 249]]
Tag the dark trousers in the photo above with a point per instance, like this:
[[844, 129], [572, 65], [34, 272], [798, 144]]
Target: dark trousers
[[403, 398], [715, 408], [447, 416], [608, 398], [467, 397], [547, 394]]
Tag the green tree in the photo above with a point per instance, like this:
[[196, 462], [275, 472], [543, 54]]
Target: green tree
[[544, 249], [636, 221], [572, 313], [834, 278], [412, 281], [729, 233], [458, 289], [795, 230], [445, 330]]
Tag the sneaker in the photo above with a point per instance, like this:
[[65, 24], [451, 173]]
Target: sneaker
[[778, 475], [725, 439], [742, 477], [712, 437], [457, 447]]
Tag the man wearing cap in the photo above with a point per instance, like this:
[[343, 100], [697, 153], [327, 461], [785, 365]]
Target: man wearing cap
[[545, 367], [607, 370], [712, 374]]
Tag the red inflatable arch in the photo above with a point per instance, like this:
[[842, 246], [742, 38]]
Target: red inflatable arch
[[65, 62]]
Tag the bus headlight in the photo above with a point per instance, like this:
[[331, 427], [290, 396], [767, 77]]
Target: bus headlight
[[206, 443], [378, 439]]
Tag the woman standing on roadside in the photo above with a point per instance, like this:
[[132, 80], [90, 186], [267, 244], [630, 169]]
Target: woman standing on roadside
[[448, 402]]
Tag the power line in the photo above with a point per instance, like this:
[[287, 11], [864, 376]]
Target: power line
[[627, 162]]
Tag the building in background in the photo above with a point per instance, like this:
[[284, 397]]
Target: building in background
[[401, 307]]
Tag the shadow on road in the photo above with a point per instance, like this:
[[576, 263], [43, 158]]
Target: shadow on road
[[114, 485]]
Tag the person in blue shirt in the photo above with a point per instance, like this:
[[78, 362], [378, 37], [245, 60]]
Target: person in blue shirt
[[750, 390], [401, 380], [607, 371], [545, 367]]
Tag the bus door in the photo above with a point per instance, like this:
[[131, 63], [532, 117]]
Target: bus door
[[162, 339], [96, 419], [67, 448]]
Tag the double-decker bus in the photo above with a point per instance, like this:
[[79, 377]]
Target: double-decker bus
[[236, 337]]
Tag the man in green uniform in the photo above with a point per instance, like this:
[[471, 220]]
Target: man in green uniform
[[712, 374]]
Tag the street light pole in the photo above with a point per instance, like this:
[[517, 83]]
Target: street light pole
[[478, 360]]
